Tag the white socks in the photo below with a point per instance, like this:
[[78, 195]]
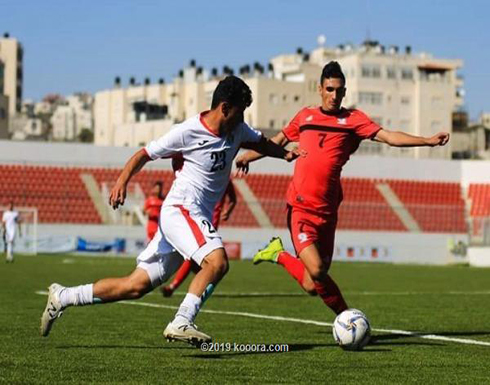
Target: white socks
[[77, 295], [10, 255], [189, 308]]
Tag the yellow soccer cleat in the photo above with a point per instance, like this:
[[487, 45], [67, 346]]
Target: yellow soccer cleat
[[270, 252]]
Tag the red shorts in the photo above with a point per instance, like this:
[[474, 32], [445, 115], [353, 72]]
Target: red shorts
[[306, 228]]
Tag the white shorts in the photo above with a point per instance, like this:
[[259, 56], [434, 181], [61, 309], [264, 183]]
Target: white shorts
[[182, 233], [10, 236]]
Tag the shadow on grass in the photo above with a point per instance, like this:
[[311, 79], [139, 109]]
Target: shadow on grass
[[292, 348], [258, 295], [232, 354], [67, 347]]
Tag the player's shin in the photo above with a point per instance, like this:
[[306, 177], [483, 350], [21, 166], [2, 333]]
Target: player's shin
[[331, 295], [293, 266], [207, 293]]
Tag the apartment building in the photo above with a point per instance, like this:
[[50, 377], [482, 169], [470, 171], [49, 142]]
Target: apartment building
[[401, 90]]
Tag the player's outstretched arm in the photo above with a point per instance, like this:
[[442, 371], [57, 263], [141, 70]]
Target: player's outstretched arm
[[255, 154], [401, 139], [134, 164], [259, 150]]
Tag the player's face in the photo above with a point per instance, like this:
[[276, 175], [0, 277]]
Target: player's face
[[332, 91], [156, 190], [232, 117]]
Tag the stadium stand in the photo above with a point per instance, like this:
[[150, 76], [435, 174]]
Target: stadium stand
[[271, 191], [436, 206], [364, 208], [58, 193], [479, 195], [61, 197]]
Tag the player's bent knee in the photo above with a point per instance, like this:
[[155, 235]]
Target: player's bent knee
[[216, 262], [309, 287], [318, 273]]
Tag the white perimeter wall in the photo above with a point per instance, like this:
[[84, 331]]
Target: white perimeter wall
[[393, 247]]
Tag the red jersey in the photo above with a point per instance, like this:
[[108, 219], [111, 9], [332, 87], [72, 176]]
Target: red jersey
[[152, 208], [329, 140]]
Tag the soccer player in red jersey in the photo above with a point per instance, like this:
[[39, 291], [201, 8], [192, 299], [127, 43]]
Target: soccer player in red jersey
[[327, 136], [152, 207], [228, 202]]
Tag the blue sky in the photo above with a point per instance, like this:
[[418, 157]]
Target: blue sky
[[81, 46]]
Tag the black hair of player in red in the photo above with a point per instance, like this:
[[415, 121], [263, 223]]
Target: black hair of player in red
[[332, 70]]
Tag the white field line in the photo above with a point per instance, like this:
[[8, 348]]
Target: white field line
[[303, 321]]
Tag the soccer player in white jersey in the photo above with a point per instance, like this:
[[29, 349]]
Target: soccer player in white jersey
[[10, 223], [208, 143]]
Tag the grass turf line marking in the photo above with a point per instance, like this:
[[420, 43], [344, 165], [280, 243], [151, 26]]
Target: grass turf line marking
[[304, 321]]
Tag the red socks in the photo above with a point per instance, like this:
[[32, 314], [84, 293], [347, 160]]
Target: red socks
[[181, 274], [293, 266], [328, 291], [331, 295]]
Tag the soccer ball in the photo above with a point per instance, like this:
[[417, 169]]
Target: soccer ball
[[351, 329]]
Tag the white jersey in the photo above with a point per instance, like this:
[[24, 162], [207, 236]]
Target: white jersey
[[10, 220], [208, 160]]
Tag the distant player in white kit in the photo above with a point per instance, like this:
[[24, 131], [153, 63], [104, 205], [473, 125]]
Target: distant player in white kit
[[208, 143], [10, 224]]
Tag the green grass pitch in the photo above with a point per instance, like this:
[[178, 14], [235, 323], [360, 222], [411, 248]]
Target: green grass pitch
[[121, 343]]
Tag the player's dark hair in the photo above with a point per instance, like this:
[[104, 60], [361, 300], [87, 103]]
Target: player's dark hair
[[332, 70], [234, 91]]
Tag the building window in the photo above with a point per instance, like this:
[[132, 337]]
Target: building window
[[375, 98], [405, 100], [284, 98], [272, 123], [391, 72], [273, 99], [407, 74], [296, 98], [371, 71]]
